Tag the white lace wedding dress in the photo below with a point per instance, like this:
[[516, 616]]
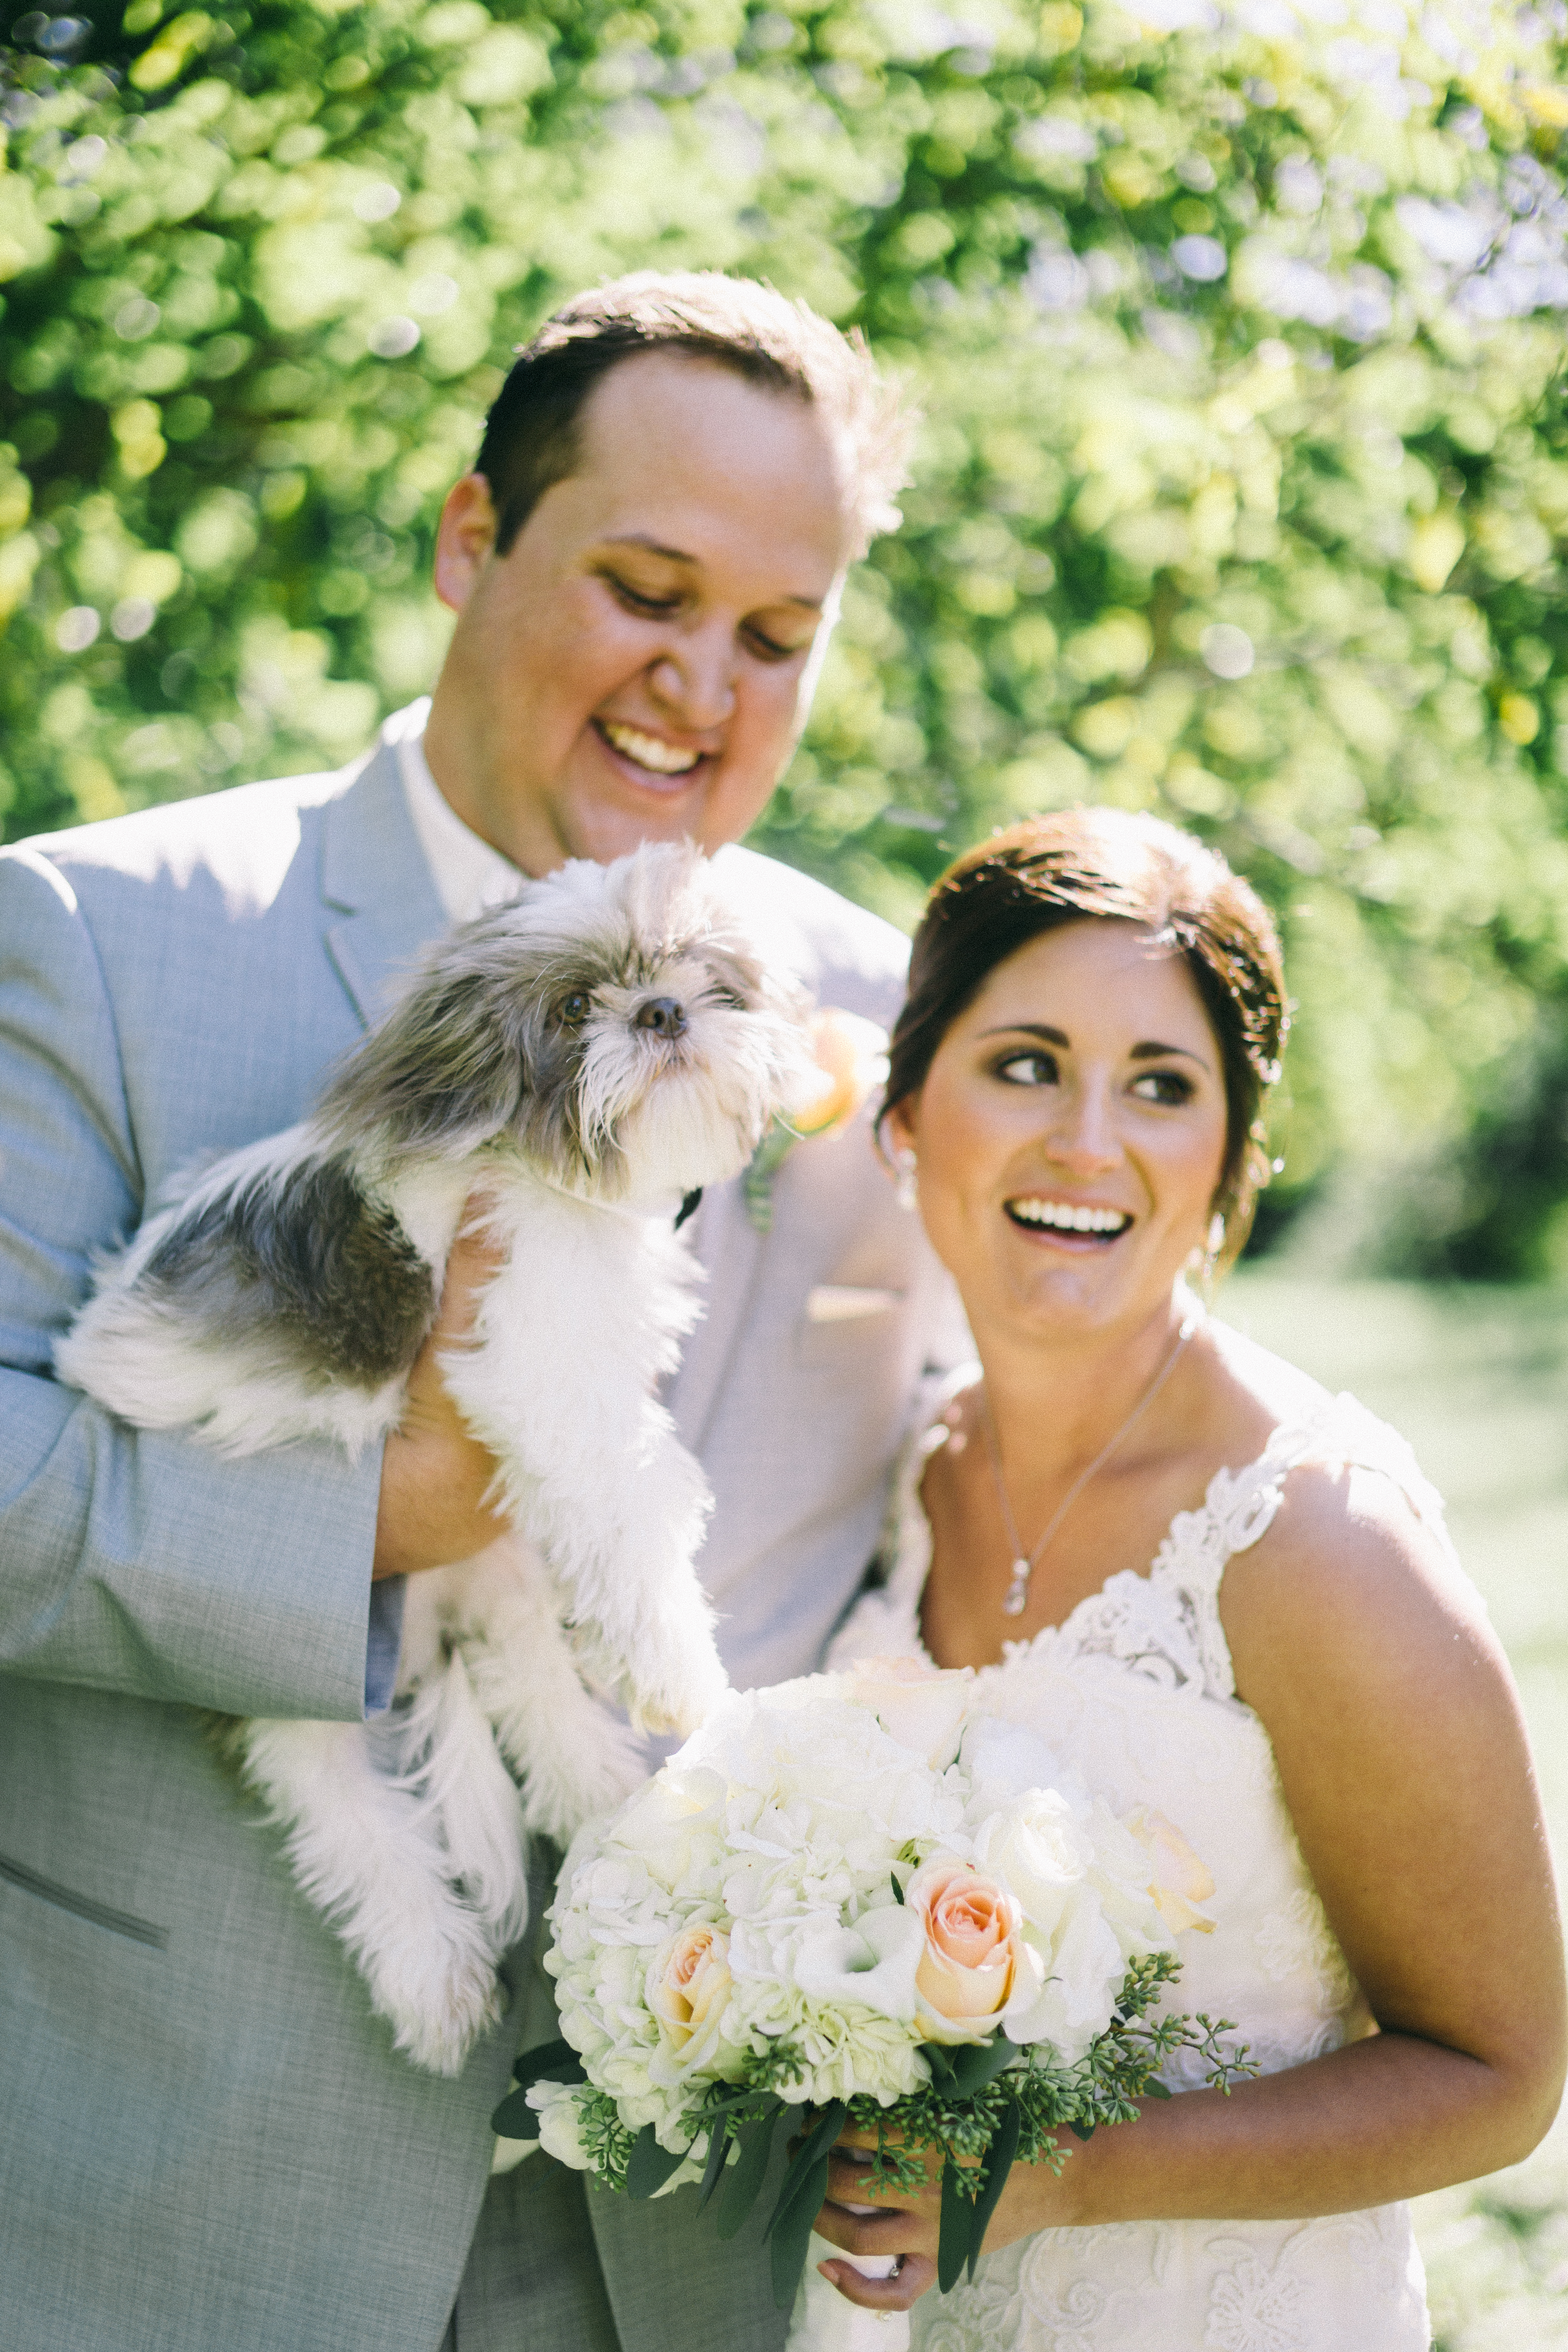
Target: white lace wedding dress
[[1136, 1690]]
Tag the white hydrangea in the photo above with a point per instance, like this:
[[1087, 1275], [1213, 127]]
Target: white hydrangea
[[747, 1904]]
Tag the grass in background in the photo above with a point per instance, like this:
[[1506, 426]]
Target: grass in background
[[1478, 1381]]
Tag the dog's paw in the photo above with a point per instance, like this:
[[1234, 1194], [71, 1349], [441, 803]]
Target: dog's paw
[[560, 1795], [675, 1692], [439, 2005]]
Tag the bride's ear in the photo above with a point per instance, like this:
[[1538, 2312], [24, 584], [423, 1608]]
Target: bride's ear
[[899, 1129]]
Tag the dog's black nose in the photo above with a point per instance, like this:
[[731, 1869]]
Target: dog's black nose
[[663, 1015]]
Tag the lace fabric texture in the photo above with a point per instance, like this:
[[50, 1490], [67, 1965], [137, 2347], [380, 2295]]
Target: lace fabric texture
[[1135, 1690]]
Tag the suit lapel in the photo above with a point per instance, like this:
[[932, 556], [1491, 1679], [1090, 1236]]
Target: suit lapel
[[375, 878]]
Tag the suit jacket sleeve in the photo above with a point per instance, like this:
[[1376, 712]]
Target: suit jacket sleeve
[[134, 1562]]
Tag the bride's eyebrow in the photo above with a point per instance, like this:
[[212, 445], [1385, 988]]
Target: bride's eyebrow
[[1030, 1029], [1151, 1052]]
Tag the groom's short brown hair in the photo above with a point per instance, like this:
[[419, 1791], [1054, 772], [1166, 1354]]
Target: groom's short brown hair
[[532, 434]]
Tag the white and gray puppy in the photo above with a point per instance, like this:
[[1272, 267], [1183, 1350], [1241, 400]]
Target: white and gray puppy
[[574, 1063]]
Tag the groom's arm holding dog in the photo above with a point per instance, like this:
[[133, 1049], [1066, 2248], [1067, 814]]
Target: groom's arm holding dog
[[127, 1551]]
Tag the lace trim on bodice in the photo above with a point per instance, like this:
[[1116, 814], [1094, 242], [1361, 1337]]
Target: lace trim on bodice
[[1165, 1623]]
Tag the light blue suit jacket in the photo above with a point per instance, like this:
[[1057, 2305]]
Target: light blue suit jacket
[[206, 2141]]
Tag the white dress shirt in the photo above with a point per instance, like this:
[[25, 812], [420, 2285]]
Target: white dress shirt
[[470, 876]]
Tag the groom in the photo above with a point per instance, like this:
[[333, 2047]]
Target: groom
[[209, 2140]]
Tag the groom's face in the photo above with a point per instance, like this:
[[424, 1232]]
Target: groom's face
[[638, 664]]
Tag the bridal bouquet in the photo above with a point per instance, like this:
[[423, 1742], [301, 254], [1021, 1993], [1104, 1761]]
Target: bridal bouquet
[[857, 1899]]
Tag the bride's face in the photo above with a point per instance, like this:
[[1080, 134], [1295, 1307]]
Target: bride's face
[[1071, 1132]]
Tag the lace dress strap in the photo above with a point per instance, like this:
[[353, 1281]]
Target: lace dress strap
[[1240, 1504]]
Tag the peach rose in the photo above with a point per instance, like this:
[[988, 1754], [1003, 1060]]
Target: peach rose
[[688, 1984], [851, 1057], [967, 1970], [1181, 1879]]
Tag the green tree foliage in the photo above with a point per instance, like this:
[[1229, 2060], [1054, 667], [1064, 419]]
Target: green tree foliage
[[1241, 494]]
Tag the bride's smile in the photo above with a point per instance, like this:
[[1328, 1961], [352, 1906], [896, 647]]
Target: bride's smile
[[1070, 1133]]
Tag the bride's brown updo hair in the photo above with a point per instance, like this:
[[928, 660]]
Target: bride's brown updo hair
[[1109, 865]]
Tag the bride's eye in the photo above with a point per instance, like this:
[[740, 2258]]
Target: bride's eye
[[1171, 1088], [1032, 1069]]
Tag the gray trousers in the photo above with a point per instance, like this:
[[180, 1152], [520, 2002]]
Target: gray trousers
[[560, 2266], [557, 2265], [533, 2281]]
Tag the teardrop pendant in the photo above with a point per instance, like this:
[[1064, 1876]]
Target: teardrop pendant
[[1018, 1591]]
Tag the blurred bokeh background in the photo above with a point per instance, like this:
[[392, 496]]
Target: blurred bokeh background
[[1242, 495], [1242, 492]]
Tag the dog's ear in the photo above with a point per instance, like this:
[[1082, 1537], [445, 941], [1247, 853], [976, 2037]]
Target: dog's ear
[[444, 1073]]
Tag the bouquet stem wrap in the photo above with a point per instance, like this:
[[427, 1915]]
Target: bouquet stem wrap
[[824, 2321]]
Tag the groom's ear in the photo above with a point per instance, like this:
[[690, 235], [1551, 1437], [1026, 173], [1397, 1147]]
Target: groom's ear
[[444, 1073]]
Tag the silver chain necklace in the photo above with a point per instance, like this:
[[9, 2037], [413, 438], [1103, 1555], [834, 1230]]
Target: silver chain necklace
[[1024, 1564]]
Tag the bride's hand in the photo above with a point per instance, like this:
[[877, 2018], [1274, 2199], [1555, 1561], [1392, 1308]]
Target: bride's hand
[[1034, 2198], [905, 2229]]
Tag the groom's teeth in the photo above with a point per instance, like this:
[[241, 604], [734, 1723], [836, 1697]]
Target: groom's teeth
[[1066, 1218], [647, 751]]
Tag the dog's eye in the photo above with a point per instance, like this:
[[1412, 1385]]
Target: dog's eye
[[729, 1000], [572, 1009]]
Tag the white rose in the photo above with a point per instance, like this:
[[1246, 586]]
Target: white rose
[[920, 1706], [1034, 1846], [1004, 1760], [1071, 1997], [560, 2118]]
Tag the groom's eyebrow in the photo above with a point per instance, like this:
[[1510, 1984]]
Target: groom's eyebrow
[[651, 546]]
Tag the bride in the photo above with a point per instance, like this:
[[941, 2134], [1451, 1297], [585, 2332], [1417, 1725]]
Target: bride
[[1285, 1660]]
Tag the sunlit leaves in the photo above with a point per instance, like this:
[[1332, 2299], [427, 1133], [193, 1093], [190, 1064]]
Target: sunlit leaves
[[1241, 495]]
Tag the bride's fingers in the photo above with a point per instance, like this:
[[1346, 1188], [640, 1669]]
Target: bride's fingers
[[918, 2272], [899, 2232]]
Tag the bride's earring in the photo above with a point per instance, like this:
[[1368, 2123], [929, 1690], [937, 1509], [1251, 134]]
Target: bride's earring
[[904, 1191], [1214, 1245]]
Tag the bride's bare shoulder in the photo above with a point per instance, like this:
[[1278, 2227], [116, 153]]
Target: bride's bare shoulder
[[1254, 1392]]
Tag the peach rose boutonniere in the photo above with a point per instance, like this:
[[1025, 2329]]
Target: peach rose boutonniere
[[850, 1063], [965, 1976]]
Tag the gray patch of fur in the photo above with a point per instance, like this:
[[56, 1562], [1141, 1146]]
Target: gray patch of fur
[[308, 1264]]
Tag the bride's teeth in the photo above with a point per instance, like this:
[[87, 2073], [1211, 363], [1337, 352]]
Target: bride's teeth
[[1066, 1218], [647, 751]]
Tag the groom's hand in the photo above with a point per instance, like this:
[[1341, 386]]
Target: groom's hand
[[434, 1473]]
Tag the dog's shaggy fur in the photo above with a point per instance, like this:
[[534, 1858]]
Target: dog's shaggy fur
[[566, 1068]]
